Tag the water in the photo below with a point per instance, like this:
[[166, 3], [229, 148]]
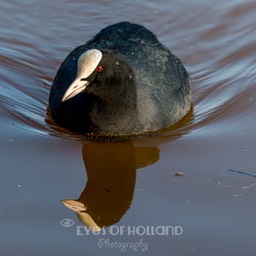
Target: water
[[130, 187]]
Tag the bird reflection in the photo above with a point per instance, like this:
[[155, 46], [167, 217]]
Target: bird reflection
[[111, 174]]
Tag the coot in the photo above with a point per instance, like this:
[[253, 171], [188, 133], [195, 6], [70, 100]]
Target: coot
[[121, 82]]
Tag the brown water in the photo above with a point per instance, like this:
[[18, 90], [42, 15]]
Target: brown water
[[131, 188]]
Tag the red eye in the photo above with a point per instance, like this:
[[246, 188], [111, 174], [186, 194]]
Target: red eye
[[99, 69]]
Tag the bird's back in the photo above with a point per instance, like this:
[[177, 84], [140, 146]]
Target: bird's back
[[163, 88]]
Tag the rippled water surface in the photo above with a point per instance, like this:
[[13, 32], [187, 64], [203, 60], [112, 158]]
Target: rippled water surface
[[187, 190]]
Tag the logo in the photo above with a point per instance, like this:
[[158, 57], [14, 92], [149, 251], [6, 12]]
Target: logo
[[67, 223]]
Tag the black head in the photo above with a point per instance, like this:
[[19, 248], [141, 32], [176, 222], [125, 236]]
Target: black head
[[106, 74]]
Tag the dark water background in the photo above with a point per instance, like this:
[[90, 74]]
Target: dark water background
[[42, 164]]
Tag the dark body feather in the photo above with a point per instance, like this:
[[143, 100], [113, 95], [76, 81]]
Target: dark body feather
[[143, 86]]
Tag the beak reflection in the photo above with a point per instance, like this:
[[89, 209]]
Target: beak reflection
[[111, 175]]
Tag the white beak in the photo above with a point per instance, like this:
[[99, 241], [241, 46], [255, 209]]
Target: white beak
[[75, 88], [86, 64]]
